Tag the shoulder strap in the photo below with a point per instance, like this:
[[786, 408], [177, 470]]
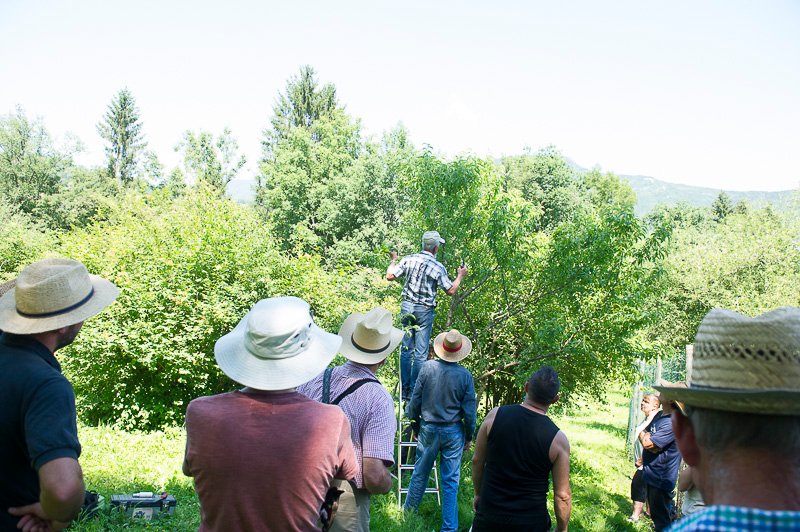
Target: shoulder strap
[[326, 385], [353, 387]]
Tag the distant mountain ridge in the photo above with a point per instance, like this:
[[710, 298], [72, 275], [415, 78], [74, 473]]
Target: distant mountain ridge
[[651, 192]]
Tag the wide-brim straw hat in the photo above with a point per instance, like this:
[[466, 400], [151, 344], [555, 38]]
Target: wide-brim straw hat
[[452, 346], [276, 346], [680, 405], [742, 364], [51, 294], [369, 338]]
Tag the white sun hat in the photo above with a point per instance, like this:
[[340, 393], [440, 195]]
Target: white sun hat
[[276, 346]]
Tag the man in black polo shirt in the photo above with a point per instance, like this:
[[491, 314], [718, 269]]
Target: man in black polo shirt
[[41, 483]]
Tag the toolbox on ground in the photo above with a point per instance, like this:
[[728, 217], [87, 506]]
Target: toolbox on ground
[[144, 505]]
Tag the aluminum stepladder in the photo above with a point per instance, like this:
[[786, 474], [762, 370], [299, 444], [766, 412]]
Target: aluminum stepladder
[[406, 468]]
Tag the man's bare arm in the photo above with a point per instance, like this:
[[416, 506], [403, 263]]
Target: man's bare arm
[[376, 475], [562, 493], [479, 456], [462, 272], [647, 443], [61, 489]]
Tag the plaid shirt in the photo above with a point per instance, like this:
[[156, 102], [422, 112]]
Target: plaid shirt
[[423, 274], [369, 409], [735, 518]]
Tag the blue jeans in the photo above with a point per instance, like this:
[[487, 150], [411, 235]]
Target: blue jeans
[[415, 342], [449, 441]]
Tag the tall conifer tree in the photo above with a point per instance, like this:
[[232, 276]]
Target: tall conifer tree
[[303, 103], [122, 130]]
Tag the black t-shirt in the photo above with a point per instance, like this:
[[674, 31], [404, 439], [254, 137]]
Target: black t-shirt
[[37, 420], [516, 475]]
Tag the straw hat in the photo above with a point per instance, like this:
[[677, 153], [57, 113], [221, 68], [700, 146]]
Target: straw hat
[[452, 346], [744, 364], [53, 293], [369, 338], [680, 405], [276, 346]]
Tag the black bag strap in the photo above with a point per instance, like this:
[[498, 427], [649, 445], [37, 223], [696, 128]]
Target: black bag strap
[[353, 387], [326, 386]]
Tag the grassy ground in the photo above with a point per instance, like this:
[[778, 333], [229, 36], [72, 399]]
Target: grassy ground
[[120, 462]]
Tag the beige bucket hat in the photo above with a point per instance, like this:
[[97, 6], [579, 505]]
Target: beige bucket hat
[[744, 364], [452, 346], [276, 346], [369, 338], [53, 293]]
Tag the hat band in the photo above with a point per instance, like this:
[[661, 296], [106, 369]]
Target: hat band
[[58, 312], [360, 348], [455, 349]]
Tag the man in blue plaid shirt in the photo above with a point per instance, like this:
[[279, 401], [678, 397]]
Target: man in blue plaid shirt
[[423, 274]]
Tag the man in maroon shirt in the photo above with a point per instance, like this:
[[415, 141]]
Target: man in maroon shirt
[[264, 456]]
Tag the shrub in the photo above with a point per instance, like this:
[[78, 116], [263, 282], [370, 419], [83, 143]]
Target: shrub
[[188, 270], [22, 240]]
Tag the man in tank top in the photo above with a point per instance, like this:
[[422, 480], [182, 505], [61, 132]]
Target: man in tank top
[[517, 448]]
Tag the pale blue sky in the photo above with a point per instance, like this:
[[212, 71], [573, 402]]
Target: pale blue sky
[[697, 92]]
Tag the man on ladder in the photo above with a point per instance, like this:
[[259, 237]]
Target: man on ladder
[[424, 274], [444, 403]]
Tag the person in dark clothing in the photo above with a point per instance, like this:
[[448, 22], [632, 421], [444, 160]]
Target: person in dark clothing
[[41, 484], [517, 449], [661, 462], [443, 403]]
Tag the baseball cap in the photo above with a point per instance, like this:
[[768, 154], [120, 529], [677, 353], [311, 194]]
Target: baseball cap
[[432, 237]]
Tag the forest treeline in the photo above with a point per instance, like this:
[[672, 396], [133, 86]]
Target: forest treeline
[[561, 270]]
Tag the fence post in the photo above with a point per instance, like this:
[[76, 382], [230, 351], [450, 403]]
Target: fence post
[[633, 406], [658, 372], [689, 359]]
